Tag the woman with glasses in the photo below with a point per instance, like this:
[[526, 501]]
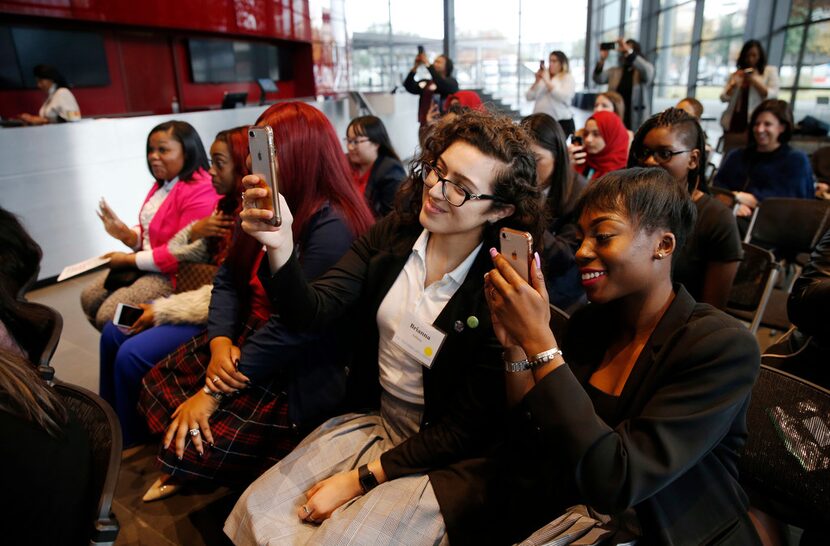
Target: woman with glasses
[[426, 379], [674, 141], [376, 168]]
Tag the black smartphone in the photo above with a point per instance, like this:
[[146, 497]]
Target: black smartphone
[[420, 50], [126, 315], [607, 46], [576, 140], [541, 64], [264, 165]]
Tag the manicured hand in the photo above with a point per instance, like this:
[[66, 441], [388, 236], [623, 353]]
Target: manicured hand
[[113, 224], [217, 224], [329, 495], [521, 309], [222, 374], [255, 220], [145, 321], [193, 414], [120, 260]]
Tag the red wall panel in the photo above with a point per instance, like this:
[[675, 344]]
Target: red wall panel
[[147, 58]]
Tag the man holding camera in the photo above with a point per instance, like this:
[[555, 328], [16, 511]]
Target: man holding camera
[[632, 79]]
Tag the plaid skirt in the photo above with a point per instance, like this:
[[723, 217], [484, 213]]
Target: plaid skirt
[[251, 429]]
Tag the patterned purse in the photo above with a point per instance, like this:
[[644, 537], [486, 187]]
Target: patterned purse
[[194, 275]]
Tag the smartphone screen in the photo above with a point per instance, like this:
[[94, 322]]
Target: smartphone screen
[[264, 165], [607, 46], [576, 140], [517, 248], [126, 315]]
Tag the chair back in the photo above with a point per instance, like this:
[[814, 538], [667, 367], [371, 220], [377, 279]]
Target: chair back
[[820, 161], [753, 283], [104, 432], [785, 465], [789, 226]]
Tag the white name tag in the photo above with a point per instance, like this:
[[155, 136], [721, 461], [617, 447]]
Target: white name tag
[[419, 340]]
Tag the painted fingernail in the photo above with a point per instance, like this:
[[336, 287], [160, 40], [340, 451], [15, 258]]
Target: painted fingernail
[[493, 252], [201, 453], [538, 261], [180, 458]]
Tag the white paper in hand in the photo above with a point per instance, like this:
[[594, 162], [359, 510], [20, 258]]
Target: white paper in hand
[[82, 267]]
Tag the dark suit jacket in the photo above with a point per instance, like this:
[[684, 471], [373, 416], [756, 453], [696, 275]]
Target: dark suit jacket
[[315, 381], [464, 389], [384, 180], [672, 450]]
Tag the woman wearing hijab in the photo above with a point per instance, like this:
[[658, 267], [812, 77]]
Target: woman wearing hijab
[[604, 148]]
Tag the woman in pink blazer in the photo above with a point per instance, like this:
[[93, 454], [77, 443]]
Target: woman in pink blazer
[[182, 195]]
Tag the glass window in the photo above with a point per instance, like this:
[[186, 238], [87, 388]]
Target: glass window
[[722, 19], [674, 26], [815, 67], [672, 68], [792, 45], [611, 16]]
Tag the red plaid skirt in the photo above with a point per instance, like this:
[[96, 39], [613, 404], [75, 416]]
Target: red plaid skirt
[[251, 430]]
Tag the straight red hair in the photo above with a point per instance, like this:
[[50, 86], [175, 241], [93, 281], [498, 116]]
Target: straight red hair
[[312, 167]]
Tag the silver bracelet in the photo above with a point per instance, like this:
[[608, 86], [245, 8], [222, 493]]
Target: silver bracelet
[[544, 357], [215, 395]]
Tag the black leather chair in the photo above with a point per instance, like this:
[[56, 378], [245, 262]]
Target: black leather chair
[[104, 431], [785, 465], [45, 342], [753, 285]]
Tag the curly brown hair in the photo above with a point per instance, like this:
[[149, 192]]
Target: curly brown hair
[[496, 136]]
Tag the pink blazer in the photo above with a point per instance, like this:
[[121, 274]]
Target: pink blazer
[[187, 201]]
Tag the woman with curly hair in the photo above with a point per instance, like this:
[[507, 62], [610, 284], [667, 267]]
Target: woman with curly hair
[[426, 362]]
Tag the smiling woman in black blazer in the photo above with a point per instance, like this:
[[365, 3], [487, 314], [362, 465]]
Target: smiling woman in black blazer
[[646, 420], [414, 463]]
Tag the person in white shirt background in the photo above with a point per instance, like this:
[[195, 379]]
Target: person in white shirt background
[[554, 90], [60, 104]]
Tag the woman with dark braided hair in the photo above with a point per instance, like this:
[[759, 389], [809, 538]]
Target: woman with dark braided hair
[[674, 141]]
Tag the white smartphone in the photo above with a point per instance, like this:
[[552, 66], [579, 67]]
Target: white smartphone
[[517, 247], [126, 315], [264, 165]]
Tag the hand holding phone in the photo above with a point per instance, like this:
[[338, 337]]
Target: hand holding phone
[[126, 315], [517, 248], [264, 165]]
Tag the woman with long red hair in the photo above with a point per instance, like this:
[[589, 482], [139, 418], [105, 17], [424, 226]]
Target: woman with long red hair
[[237, 399], [128, 354]]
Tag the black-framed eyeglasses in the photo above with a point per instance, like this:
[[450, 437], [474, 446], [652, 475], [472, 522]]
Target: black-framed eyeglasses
[[660, 156], [454, 194], [355, 141]]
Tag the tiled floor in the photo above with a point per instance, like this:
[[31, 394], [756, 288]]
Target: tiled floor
[[193, 517]]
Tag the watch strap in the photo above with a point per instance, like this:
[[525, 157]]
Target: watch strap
[[367, 479]]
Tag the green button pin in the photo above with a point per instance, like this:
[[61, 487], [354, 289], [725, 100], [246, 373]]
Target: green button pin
[[472, 322]]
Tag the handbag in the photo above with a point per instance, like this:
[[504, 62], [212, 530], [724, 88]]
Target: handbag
[[191, 276], [119, 278]]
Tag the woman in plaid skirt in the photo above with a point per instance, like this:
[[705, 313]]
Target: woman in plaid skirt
[[238, 398]]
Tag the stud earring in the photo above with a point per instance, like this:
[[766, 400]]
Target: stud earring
[[659, 256]]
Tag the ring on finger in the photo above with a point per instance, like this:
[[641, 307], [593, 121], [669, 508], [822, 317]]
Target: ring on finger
[[216, 379], [194, 431]]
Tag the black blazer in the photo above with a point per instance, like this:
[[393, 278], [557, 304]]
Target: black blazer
[[384, 180], [315, 382], [672, 449], [464, 393]]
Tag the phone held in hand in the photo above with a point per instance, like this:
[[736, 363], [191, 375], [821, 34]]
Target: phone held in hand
[[607, 46], [576, 140], [517, 248], [264, 165], [541, 64], [126, 315], [420, 50]]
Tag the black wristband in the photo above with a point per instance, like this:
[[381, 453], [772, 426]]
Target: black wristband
[[367, 480]]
